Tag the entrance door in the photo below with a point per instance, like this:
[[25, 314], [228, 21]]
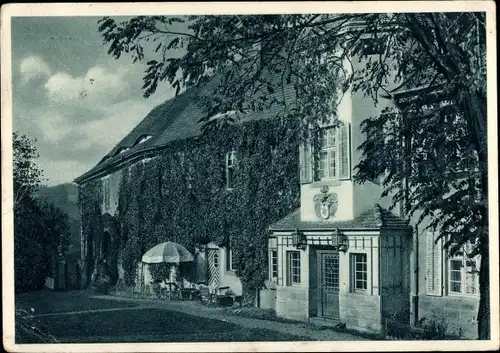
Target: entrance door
[[328, 265]]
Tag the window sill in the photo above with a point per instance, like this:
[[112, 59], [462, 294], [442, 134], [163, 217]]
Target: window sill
[[360, 292], [328, 182], [462, 295]]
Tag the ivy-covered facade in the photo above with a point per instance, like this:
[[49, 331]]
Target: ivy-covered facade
[[218, 188]]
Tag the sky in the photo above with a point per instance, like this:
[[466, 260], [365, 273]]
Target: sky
[[76, 100]]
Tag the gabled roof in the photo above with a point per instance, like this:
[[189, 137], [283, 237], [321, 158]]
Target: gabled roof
[[373, 218], [176, 119]]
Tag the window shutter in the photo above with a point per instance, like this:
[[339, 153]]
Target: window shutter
[[434, 275], [344, 151], [305, 160]]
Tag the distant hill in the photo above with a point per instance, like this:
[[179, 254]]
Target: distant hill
[[65, 196]]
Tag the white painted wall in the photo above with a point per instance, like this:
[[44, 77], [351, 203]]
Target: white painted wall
[[344, 191]]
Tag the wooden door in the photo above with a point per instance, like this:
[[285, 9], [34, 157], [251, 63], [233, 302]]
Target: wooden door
[[328, 273]]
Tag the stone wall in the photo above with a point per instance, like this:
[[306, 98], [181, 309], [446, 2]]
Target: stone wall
[[292, 302], [362, 312], [460, 313]]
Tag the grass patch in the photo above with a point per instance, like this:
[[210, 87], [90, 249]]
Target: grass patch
[[150, 325], [259, 313]]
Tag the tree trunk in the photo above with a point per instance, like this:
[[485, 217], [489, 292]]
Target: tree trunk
[[248, 296], [483, 315]]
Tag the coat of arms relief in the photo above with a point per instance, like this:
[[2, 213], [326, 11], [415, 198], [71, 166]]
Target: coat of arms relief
[[325, 203]]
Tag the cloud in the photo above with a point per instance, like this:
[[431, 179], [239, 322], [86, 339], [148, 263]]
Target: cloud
[[74, 130], [100, 85], [33, 67], [70, 147]]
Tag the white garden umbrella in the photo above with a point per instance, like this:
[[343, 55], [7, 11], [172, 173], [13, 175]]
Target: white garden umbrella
[[168, 252]]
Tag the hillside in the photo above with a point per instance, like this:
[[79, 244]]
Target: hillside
[[65, 196]]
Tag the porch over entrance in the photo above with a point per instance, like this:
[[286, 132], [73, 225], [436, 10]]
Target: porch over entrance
[[355, 272]]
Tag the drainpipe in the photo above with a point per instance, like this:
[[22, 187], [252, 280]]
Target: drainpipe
[[417, 280]]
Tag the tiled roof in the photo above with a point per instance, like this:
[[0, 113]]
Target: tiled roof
[[373, 218], [176, 119]]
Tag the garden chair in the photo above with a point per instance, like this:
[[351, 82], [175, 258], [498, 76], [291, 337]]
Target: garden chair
[[172, 290], [226, 297], [205, 295]]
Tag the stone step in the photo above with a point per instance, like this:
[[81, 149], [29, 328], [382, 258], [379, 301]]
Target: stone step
[[326, 322]]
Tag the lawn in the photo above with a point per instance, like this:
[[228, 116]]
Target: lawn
[[148, 325], [45, 302]]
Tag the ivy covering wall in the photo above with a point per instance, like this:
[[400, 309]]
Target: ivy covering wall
[[89, 201], [181, 195]]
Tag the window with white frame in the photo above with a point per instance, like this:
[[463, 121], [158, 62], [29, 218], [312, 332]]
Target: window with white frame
[[328, 155], [230, 265], [293, 260], [450, 275], [333, 157], [273, 264], [359, 272], [230, 169], [463, 275], [106, 193]]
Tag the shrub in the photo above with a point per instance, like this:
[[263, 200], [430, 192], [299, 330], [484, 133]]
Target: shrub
[[433, 329]]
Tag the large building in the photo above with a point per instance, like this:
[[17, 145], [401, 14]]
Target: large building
[[339, 255]]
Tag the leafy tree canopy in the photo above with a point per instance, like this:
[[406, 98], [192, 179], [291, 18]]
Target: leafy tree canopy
[[27, 176], [41, 230]]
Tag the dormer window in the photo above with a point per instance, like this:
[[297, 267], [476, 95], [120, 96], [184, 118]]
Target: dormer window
[[230, 169], [123, 150], [222, 115], [105, 159], [371, 46], [143, 139]]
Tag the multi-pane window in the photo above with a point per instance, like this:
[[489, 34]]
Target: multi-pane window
[[463, 275], [273, 265], [230, 169], [359, 272], [293, 267], [106, 193], [329, 158], [328, 164], [456, 266], [230, 263]]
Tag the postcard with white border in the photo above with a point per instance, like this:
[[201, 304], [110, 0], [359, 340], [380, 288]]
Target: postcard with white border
[[249, 176]]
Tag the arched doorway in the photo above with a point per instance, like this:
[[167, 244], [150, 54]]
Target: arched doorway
[[109, 247], [106, 266]]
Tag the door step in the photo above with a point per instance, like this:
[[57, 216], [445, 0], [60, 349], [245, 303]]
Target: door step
[[326, 322]]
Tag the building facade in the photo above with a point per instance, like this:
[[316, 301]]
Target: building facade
[[341, 256]]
